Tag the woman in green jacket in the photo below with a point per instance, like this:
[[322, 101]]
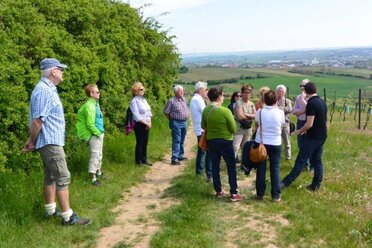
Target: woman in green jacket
[[90, 127]]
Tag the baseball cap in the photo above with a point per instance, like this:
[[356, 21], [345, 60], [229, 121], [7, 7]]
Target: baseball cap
[[50, 63]]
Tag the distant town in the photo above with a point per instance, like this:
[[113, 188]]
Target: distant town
[[360, 58]]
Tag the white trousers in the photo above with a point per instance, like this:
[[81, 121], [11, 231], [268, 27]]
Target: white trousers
[[96, 148]]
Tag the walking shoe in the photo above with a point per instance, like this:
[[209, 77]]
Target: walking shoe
[[236, 197], [96, 183], [57, 213], [220, 194], [102, 176], [259, 197], [276, 199], [147, 163], [311, 188], [175, 162], [75, 220], [182, 158]]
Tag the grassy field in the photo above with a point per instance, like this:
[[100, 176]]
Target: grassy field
[[336, 86]]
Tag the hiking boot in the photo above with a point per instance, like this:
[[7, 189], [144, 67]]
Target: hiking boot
[[236, 197], [175, 162], [96, 183], [276, 199], [311, 188], [56, 214], [75, 220], [220, 194], [182, 158]]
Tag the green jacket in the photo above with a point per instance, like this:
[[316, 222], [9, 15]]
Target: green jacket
[[86, 116], [220, 123]]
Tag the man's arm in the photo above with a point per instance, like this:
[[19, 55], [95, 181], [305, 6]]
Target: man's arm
[[309, 123], [34, 132]]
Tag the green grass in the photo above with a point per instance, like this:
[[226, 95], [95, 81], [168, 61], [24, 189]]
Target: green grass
[[22, 204], [337, 216]]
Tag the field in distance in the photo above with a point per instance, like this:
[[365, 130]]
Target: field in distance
[[339, 86]]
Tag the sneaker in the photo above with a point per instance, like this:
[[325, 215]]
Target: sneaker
[[220, 194], [102, 176], [277, 199], [311, 188], [236, 197], [182, 158], [75, 220], [147, 163], [96, 183], [175, 162], [259, 197], [57, 213]]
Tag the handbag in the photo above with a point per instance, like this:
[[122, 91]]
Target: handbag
[[258, 153], [203, 139], [245, 124]]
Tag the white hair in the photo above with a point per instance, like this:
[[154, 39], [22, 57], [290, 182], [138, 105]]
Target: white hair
[[46, 72], [281, 86], [305, 81], [200, 85], [177, 88]]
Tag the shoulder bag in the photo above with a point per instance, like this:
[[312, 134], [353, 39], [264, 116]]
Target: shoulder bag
[[203, 139], [258, 154]]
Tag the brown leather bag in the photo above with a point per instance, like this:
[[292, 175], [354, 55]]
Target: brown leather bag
[[203, 141], [258, 154]]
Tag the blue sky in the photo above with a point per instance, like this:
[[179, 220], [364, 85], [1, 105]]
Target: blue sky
[[261, 25]]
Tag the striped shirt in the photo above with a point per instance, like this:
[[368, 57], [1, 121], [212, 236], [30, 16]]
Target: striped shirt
[[177, 109], [46, 105]]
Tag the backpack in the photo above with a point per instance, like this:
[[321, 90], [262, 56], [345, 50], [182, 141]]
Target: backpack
[[129, 122]]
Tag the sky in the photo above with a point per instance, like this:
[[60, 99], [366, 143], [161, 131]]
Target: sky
[[211, 26]]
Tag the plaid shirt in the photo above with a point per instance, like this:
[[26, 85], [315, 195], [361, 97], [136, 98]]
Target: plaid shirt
[[46, 105], [177, 109]]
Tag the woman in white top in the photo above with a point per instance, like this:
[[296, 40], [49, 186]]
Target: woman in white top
[[272, 121], [142, 116]]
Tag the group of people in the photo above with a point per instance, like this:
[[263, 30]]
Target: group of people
[[227, 130]]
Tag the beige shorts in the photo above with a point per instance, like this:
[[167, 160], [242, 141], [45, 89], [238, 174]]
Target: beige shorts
[[55, 166]]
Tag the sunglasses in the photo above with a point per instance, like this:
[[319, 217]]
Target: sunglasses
[[302, 85], [141, 89], [239, 95]]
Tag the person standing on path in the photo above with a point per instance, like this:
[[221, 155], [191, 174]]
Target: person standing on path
[[285, 105], [197, 104], [312, 146], [176, 111], [142, 116], [47, 136], [299, 110], [221, 126], [90, 127]]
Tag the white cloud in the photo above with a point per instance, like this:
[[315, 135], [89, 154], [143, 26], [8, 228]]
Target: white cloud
[[156, 7]]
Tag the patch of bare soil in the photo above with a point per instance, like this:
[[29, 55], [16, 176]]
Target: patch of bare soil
[[135, 222]]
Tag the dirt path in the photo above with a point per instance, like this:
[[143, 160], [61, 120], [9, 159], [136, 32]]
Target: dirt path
[[135, 223]]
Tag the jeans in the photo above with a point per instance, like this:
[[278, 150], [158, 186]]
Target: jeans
[[300, 139], [274, 156], [142, 138], [200, 161], [313, 150], [222, 147], [179, 129]]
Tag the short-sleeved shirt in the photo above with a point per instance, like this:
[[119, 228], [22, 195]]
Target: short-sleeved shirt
[[316, 107], [177, 109], [247, 109], [46, 105]]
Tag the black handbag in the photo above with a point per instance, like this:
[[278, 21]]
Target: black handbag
[[245, 124]]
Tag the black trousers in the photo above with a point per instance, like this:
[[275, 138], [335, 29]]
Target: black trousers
[[142, 138]]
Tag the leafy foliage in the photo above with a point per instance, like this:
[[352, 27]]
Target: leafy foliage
[[103, 42]]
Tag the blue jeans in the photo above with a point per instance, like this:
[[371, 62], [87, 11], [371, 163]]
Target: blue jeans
[[274, 156], [179, 129], [300, 139], [200, 161], [313, 150], [224, 148]]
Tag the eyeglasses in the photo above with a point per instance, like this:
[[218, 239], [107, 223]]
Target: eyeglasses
[[302, 85], [141, 89], [239, 95], [97, 92], [59, 68]]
